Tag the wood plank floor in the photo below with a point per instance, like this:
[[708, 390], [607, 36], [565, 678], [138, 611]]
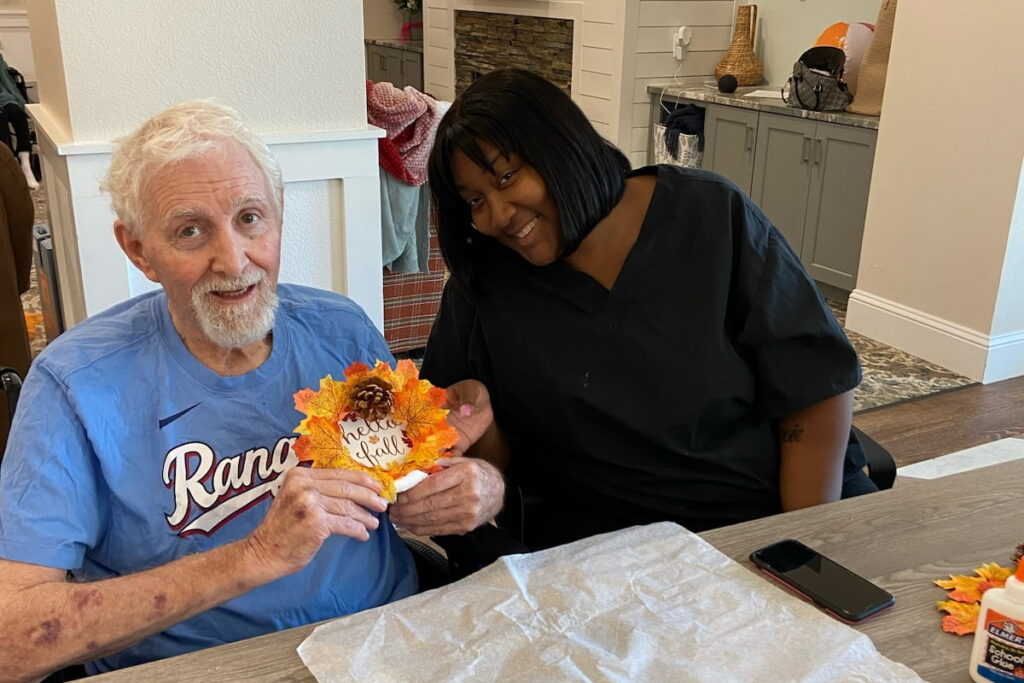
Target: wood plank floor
[[928, 427]]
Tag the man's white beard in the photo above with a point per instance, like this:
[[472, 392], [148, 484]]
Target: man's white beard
[[234, 325]]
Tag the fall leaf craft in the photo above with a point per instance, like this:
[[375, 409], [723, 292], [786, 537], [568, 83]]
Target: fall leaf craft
[[387, 423], [965, 596]]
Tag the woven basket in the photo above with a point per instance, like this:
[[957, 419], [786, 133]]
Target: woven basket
[[871, 79], [740, 60]]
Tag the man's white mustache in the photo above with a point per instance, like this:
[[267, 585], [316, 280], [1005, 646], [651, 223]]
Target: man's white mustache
[[230, 284]]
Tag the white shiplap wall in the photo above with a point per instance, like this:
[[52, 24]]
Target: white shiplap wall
[[623, 46], [598, 76], [649, 57]]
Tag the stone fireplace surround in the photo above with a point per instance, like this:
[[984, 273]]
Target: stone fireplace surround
[[485, 41], [439, 35]]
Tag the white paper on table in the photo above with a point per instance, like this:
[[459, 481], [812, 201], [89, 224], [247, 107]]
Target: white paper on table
[[649, 603], [777, 94]]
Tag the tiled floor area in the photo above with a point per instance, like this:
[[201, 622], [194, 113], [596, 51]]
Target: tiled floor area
[[891, 375]]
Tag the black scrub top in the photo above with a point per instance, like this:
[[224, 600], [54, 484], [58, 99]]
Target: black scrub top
[[659, 399]]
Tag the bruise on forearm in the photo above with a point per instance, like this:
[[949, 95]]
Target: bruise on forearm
[[47, 622]]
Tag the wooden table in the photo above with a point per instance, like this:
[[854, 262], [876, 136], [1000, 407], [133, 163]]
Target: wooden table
[[901, 539]]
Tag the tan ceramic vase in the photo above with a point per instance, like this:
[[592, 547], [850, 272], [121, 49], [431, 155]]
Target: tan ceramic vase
[[740, 60]]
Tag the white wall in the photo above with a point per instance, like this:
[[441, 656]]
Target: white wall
[[938, 245], [649, 56], [788, 27], [381, 19], [1009, 313], [265, 58]]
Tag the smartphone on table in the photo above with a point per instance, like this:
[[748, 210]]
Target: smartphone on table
[[826, 583]]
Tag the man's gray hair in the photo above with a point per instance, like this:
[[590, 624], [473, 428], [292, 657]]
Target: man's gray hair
[[184, 131]]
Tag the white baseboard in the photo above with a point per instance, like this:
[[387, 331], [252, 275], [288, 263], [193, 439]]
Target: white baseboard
[[1005, 357], [963, 350]]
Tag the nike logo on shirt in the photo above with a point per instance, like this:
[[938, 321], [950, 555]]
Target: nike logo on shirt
[[168, 420]]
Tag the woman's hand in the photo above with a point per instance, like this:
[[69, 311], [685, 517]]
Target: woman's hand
[[470, 413]]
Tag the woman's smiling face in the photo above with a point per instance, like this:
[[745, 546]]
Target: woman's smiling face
[[512, 205]]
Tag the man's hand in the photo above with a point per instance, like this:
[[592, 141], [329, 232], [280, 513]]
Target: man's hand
[[468, 492], [311, 505], [469, 412]]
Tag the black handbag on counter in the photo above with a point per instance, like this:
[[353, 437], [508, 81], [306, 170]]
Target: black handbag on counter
[[817, 81]]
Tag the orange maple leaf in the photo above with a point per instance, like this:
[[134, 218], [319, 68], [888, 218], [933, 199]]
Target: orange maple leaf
[[995, 574], [330, 402], [416, 403], [965, 588], [962, 617]]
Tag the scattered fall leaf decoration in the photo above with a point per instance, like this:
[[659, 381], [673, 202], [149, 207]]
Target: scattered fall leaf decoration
[[965, 596], [32, 321], [962, 617], [384, 422]]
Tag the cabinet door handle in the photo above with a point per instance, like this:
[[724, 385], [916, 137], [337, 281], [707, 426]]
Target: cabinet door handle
[[401, 67], [817, 150], [806, 151], [750, 145], [383, 63]]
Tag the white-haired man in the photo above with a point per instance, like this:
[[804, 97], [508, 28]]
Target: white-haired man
[[152, 438]]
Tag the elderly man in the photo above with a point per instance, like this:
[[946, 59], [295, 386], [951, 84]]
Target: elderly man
[[150, 455]]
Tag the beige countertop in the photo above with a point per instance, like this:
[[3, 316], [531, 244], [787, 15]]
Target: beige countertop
[[408, 45], [773, 105]]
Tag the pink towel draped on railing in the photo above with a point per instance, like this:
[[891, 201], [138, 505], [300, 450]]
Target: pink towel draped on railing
[[410, 119]]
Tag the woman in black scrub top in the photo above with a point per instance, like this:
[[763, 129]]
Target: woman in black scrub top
[[649, 346]]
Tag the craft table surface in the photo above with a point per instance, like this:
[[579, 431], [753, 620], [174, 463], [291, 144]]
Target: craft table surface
[[901, 539]]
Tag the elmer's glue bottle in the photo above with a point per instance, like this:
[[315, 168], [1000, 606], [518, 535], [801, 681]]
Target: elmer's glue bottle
[[998, 653]]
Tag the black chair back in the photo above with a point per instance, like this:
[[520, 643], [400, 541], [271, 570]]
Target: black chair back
[[10, 385]]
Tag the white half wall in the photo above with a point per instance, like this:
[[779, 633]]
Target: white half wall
[[331, 233], [295, 73]]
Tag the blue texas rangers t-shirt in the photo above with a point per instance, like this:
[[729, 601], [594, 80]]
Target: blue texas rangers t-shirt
[[127, 453]]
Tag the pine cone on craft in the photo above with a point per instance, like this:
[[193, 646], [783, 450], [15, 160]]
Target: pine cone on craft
[[1018, 552], [372, 399]]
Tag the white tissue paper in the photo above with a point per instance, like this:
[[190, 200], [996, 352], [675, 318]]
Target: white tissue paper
[[654, 603]]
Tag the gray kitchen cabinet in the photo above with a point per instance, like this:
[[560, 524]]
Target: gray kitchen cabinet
[[730, 135], [376, 63], [412, 69], [394, 65], [782, 173], [837, 203], [812, 179], [810, 172]]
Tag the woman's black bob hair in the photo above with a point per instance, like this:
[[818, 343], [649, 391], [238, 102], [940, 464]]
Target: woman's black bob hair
[[521, 113]]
